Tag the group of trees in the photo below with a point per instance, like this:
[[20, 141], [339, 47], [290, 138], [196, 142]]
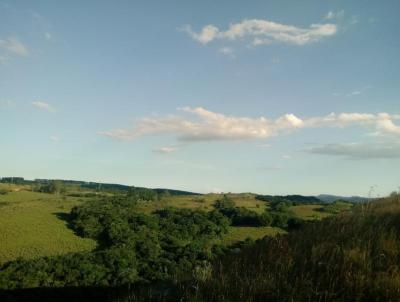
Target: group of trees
[[352, 257], [132, 247], [278, 215], [289, 199], [51, 187], [142, 194], [12, 180]]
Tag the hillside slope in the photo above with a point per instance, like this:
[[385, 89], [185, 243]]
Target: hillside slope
[[352, 257]]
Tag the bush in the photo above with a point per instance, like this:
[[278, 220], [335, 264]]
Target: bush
[[4, 191]]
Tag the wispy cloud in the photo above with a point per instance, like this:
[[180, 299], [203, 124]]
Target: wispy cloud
[[334, 15], [359, 150], [12, 46], [262, 32], [44, 106], [209, 126], [354, 93], [227, 51], [55, 138], [166, 150]]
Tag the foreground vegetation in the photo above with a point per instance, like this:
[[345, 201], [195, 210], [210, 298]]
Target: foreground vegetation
[[34, 215], [233, 247], [351, 257]]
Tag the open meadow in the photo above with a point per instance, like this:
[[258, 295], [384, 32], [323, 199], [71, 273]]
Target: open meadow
[[34, 224]]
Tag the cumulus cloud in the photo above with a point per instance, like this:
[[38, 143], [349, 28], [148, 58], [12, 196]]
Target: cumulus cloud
[[205, 125], [12, 46], [359, 150], [261, 32], [44, 106]]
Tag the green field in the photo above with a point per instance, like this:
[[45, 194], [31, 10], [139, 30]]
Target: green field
[[31, 225], [309, 212], [242, 233], [205, 202]]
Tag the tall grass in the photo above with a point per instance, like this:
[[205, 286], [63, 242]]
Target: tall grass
[[351, 257]]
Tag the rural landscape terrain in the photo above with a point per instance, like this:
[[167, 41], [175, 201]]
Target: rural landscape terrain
[[200, 151], [168, 244]]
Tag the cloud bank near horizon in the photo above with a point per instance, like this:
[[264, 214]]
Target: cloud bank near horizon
[[205, 125]]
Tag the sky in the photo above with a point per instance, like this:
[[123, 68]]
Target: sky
[[271, 97]]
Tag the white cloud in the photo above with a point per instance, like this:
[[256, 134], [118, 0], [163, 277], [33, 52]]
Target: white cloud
[[55, 138], [227, 51], [334, 15], [262, 32], [43, 106], [166, 150], [13, 46], [208, 126], [286, 156], [359, 150], [354, 93], [48, 36]]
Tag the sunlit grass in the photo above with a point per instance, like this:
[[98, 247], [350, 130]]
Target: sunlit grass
[[236, 234], [30, 226], [204, 202], [309, 212]]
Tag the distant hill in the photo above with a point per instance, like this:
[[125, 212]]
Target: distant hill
[[93, 185], [331, 198], [299, 199]]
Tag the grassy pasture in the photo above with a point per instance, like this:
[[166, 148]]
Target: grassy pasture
[[241, 233], [309, 212], [31, 226], [205, 202]]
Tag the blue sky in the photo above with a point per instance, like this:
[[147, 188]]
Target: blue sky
[[274, 97]]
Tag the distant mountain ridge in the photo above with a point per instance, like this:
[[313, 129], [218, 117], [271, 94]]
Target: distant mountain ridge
[[331, 198], [328, 198]]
